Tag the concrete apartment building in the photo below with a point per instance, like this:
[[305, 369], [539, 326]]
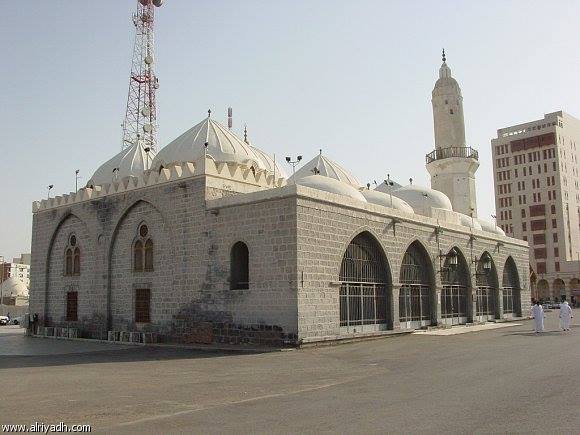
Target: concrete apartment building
[[537, 195], [19, 269]]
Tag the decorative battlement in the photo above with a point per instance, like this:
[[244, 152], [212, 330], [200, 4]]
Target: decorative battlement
[[446, 153], [176, 172]]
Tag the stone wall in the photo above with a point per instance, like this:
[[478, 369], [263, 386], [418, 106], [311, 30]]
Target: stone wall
[[326, 225], [191, 298]]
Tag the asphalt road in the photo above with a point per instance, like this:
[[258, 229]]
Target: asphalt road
[[506, 380]]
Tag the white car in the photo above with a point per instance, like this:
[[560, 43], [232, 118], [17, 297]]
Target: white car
[[4, 320]]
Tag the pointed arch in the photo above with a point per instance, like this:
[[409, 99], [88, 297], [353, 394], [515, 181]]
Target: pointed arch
[[511, 288], [543, 290], [456, 281], [365, 285], [416, 295], [486, 293]]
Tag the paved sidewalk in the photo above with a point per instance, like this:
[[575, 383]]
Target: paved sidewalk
[[465, 329]]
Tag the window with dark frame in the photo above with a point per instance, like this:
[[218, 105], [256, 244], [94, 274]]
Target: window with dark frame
[[239, 267], [72, 260], [143, 251], [72, 306], [142, 305]]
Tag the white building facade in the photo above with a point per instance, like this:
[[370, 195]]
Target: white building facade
[[537, 188]]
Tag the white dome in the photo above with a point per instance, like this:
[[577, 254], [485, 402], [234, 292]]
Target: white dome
[[467, 221], [327, 184], [386, 188], [131, 162], [422, 199], [269, 162], [222, 146], [386, 200], [13, 287], [327, 167], [490, 227]]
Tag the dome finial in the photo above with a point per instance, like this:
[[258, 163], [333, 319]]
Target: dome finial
[[320, 151], [443, 56], [209, 113], [246, 133]]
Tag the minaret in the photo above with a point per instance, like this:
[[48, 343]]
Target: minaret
[[452, 164]]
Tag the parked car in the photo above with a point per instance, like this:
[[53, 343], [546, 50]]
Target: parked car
[[4, 320]]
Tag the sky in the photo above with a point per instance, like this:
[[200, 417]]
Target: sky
[[353, 78]]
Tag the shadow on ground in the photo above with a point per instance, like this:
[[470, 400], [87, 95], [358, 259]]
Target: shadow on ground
[[134, 354]]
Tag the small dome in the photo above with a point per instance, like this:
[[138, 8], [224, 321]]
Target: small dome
[[386, 200], [130, 162], [329, 168], [269, 163], [13, 287], [422, 199], [386, 188], [467, 221], [327, 184], [490, 227], [222, 146]]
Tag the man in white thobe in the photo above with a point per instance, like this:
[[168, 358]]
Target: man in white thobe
[[565, 316], [538, 315]]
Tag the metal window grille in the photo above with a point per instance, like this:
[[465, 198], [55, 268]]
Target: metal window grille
[[485, 301], [454, 293], [364, 284], [415, 292], [142, 305], [453, 301], [511, 288], [72, 306]]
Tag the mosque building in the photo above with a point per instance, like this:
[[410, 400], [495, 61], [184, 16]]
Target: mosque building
[[209, 241]]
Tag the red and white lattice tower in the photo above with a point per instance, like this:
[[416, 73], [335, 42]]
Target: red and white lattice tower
[[141, 114]]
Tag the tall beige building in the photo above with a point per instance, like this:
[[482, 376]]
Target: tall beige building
[[537, 196]]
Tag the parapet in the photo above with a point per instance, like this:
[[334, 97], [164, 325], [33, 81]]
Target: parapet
[[206, 166]]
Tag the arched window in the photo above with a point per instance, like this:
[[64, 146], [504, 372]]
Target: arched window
[[149, 255], [486, 281], [72, 257], [77, 261], [364, 284], [455, 278], [143, 251], [416, 287], [543, 290], [68, 268], [239, 267], [511, 288], [138, 256], [559, 289]]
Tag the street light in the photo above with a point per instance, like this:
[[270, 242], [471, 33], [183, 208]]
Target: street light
[[293, 163], [50, 186], [77, 180], [389, 184]]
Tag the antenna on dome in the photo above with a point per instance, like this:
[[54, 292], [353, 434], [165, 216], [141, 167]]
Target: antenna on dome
[[230, 118]]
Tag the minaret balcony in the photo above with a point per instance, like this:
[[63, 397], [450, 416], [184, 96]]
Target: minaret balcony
[[450, 152]]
